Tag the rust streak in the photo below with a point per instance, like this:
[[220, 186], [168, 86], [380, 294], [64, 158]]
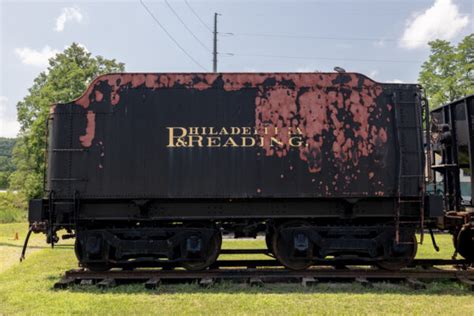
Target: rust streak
[[86, 140]]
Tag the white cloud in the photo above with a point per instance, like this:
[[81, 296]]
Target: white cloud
[[441, 21], [34, 57], [9, 126], [395, 81], [67, 15]]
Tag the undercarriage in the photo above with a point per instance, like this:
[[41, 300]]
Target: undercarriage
[[296, 244]]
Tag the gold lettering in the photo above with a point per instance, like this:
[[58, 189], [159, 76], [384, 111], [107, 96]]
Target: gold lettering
[[250, 139], [244, 136], [230, 142], [295, 131], [195, 138], [212, 131], [180, 142], [246, 131], [213, 141], [223, 131], [295, 141], [275, 140], [234, 131], [176, 140]]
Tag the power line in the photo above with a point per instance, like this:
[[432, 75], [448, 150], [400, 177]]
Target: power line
[[187, 28], [326, 58], [197, 15], [170, 36], [371, 39]]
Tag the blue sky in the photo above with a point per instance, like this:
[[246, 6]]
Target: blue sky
[[385, 40]]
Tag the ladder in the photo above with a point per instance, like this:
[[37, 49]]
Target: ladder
[[405, 125], [53, 184], [69, 204]]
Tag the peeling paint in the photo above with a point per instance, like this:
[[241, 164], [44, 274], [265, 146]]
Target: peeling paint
[[86, 140], [330, 109], [99, 96]]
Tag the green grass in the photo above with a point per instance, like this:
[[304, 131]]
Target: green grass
[[12, 207], [10, 247], [27, 288], [444, 242]]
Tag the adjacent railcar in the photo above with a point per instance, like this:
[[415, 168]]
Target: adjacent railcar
[[152, 167], [452, 136]]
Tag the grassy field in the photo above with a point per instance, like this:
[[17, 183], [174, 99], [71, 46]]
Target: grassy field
[[27, 288], [12, 207]]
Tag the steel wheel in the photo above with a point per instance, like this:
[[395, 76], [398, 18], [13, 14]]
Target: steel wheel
[[92, 266], [464, 242], [401, 255], [212, 252], [283, 248]]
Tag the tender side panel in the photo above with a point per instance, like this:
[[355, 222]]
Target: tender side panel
[[231, 136]]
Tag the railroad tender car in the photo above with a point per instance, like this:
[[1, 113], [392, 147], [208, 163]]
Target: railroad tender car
[[147, 168]]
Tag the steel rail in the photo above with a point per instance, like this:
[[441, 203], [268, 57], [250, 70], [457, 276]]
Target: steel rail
[[254, 263], [270, 273], [260, 271]]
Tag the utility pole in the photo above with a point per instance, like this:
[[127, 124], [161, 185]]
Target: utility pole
[[214, 53]]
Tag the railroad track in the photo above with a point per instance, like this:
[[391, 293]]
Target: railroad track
[[260, 272]]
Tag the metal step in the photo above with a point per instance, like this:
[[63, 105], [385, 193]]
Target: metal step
[[444, 166]]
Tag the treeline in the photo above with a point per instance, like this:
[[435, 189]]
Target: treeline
[[7, 167], [68, 75]]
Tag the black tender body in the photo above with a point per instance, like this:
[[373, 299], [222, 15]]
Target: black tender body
[[239, 152], [122, 151]]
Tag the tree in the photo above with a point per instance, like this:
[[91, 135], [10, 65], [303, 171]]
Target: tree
[[448, 74], [6, 164], [66, 78]]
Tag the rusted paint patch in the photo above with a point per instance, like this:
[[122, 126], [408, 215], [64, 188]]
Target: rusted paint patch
[[229, 82], [86, 140], [333, 111], [343, 112], [122, 82], [99, 96]]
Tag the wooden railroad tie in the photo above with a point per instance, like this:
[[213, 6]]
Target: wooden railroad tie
[[152, 279]]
